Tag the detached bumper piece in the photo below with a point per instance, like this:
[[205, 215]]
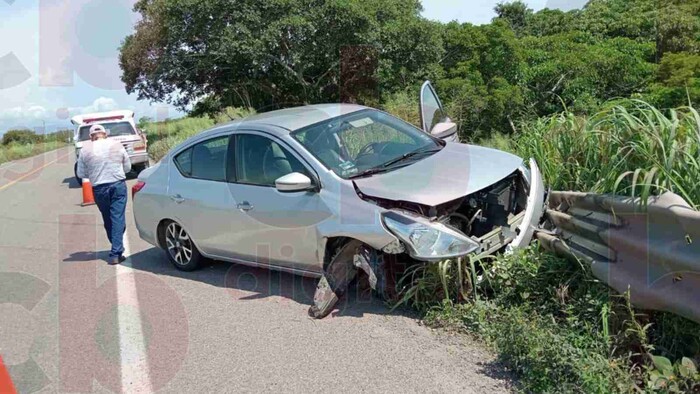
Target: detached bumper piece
[[650, 248], [337, 275], [342, 269]]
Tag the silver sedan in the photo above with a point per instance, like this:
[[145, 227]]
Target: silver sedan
[[330, 190]]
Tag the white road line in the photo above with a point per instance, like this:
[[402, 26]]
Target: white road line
[[135, 376]]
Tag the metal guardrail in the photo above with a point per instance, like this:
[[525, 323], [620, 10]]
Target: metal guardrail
[[652, 249]]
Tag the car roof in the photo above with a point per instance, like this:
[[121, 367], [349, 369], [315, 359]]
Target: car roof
[[292, 119], [102, 117]]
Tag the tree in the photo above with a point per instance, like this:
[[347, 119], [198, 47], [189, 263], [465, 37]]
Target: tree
[[516, 13], [673, 25], [550, 22], [482, 70], [266, 54], [602, 69], [678, 81]]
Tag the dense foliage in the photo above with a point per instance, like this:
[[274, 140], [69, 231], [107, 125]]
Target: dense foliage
[[208, 55], [275, 53]]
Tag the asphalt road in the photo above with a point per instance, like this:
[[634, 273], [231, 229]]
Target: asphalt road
[[71, 323]]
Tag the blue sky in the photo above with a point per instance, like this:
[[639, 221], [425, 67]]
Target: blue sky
[[73, 68]]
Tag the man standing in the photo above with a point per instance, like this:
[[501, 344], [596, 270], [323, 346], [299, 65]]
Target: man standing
[[105, 163]]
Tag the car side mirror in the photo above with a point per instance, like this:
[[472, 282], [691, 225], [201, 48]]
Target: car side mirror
[[294, 182], [444, 130]]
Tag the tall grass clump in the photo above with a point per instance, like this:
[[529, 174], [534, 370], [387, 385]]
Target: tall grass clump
[[628, 148], [403, 105]]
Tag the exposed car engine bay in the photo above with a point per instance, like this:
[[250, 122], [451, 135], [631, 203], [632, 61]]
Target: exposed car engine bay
[[477, 214], [480, 213]]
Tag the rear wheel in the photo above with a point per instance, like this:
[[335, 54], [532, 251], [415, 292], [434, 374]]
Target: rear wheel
[[180, 249], [75, 172]]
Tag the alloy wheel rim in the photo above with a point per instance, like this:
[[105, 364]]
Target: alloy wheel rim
[[179, 244]]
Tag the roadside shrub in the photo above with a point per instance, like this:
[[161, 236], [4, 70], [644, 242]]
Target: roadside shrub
[[233, 113], [20, 137], [163, 136], [549, 320], [546, 356], [16, 151]]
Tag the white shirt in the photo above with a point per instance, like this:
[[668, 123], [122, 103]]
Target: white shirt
[[103, 161]]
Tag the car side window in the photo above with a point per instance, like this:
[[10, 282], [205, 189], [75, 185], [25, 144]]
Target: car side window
[[206, 160], [261, 161]]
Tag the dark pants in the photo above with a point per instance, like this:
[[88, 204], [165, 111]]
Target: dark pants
[[111, 199]]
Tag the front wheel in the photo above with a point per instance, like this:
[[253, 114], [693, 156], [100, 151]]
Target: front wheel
[[180, 249]]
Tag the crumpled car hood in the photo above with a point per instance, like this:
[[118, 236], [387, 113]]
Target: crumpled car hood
[[456, 171]]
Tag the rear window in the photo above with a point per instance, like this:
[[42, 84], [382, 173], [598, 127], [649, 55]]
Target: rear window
[[206, 160], [113, 130]]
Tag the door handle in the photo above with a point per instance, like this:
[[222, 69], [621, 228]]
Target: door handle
[[177, 198], [245, 206]]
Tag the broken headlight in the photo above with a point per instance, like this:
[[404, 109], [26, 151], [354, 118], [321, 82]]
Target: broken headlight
[[426, 240]]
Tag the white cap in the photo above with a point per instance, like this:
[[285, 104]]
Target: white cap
[[97, 129]]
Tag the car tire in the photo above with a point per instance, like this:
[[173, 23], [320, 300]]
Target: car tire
[[75, 172], [179, 247]]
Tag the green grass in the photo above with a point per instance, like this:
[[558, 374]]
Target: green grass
[[165, 135], [16, 151], [628, 148], [551, 321]]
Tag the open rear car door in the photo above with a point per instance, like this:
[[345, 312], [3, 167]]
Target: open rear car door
[[434, 119]]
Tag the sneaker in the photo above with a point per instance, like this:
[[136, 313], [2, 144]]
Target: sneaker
[[117, 260]]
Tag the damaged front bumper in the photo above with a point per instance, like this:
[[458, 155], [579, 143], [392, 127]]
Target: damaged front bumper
[[534, 212], [521, 227], [450, 244], [409, 229]]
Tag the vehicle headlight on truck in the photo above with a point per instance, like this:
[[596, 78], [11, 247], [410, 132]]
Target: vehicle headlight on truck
[[428, 241]]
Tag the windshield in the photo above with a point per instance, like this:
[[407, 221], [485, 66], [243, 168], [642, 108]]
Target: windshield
[[113, 130], [366, 141]]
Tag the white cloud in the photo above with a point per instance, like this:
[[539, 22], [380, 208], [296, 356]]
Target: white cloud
[[102, 104], [35, 103], [18, 113], [38, 112]]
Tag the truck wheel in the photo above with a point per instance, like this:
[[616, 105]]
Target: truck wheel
[[140, 167], [75, 172]]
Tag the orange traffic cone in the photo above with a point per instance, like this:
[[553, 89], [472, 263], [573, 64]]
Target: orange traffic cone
[[88, 197], [6, 385]]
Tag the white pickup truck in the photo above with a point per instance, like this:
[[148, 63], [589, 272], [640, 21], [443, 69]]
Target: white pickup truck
[[120, 126]]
